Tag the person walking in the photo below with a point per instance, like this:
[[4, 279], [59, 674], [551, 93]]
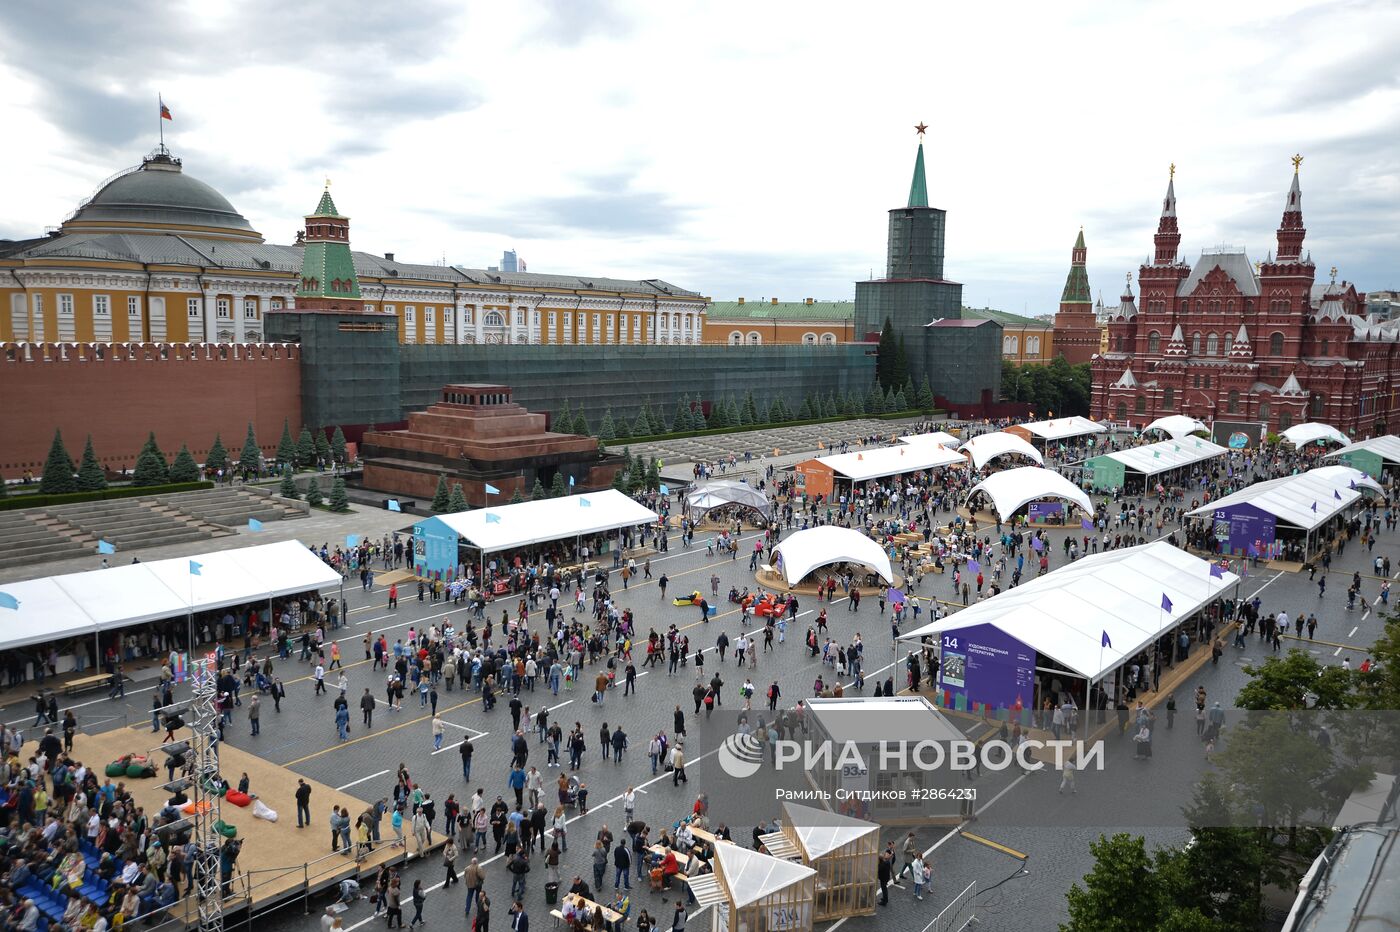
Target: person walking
[[303, 798], [367, 704], [419, 898], [438, 730], [254, 713], [622, 864], [473, 877], [394, 897]]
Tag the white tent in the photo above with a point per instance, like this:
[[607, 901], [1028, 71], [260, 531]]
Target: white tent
[[1307, 500], [1011, 489], [510, 526], [55, 608], [1063, 428], [882, 462], [1118, 593], [820, 832], [1175, 426], [939, 437], [1386, 446], [989, 446], [716, 493], [1153, 458], [1300, 435], [751, 875], [806, 550]]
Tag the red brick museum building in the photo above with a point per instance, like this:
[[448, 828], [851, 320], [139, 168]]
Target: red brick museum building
[[1233, 340]]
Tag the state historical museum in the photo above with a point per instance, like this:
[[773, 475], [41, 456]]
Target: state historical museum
[[1233, 340]]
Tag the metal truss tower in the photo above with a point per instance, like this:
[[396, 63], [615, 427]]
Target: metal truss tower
[[204, 760]]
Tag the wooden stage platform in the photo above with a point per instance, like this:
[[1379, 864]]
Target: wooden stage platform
[[278, 860]]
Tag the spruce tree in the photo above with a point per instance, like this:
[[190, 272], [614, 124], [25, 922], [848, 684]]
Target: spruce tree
[[306, 449], [856, 403], [830, 408], [339, 500], [218, 456], [581, 424], [184, 469], [719, 414], [286, 447], [457, 501], [731, 413], [775, 411], [338, 450], [901, 401], [314, 498], [622, 480], [441, 495], [557, 489], [899, 372], [698, 421], [538, 492], [925, 396], [642, 426], [151, 467], [323, 447], [680, 421], [252, 453], [564, 420], [885, 354], [623, 429], [653, 475], [888, 402], [874, 400], [637, 466], [58, 476], [748, 414], [910, 392], [517, 498], [288, 488], [607, 428], [91, 478], [804, 413]]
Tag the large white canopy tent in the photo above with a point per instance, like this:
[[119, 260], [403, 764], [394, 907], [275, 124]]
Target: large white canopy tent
[[1012, 489], [1064, 615], [55, 608], [1154, 458], [1307, 501], [1386, 446], [882, 462], [716, 493], [1176, 426], [1063, 428], [988, 447], [1300, 435], [940, 437], [507, 527], [807, 550]]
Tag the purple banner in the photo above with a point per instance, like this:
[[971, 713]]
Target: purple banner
[[1043, 512], [1239, 527], [986, 671]]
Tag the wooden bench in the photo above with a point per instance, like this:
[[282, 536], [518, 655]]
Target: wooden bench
[[86, 682]]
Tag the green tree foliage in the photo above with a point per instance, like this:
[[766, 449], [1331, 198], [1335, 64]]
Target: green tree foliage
[[457, 501], [218, 456], [719, 414], [288, 488], [581, 425], [557, 488], [323, 447], [607, 428], [641, 427], [925, 395], [680, 420], [314, 498], [830, 407], [899, 372], [151, 467], [1056, 386], [622, 481], [517, 498], [1122, 893], [338, 449], [563, 421], [184, 469], [91, 477], [306, 449], [804, 413], [653, 475], [286, 447], [623, 428], [538, 493], [441, 496], [698, 421], [252, 453], [748, 414], [875, 400], [339, 500], [1288, 683], [58, 475], [732, 414], [901, 401], [885, 355]]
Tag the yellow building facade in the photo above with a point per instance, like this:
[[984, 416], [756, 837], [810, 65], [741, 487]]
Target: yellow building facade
[[809, 321]]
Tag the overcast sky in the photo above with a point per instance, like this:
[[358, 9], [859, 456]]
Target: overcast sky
[[732, 148]]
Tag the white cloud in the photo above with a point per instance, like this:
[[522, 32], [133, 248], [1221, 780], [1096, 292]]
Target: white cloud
[[734, 148]]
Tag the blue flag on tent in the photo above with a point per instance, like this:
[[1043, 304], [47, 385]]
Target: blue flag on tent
[[394, 505], [9, 601], [492, 490], [492, 519], [571, 482], [664, 490], [1352, 484], [584, 503], [1166, 603], [1037, 544], [104, 547], [973, 566], [1216, 572], [254, 524], [1104, 641], [1086, 524], [352, 540], [195, 568]]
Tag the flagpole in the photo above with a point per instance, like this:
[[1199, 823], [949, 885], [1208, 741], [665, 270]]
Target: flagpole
[[160, 118]]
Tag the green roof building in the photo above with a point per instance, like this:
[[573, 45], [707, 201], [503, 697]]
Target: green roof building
[[328, 280]]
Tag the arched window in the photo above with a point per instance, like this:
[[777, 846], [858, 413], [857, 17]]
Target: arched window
[[1326, 346], [494, 319], [1118, 345], [1232, 401], [1196, 343], [1212, 344], [809, 339], [1121, 410], [1140, 405], [1285, 420], [1264, 412], [755, 338], [1154, 341], [1168, 398], [735, 338], [1032, 346], [828, 339], [1009, 345], [1319, 401], [1276, 343]]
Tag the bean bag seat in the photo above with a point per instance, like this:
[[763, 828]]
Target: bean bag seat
[[117, 768], [262, 811], [141, 770], [226, 830], [190, 807], [240, 800]]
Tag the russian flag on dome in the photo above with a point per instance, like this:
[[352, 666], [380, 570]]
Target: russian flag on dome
[[164, 111]]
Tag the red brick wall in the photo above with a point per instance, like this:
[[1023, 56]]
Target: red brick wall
[[185, 393]]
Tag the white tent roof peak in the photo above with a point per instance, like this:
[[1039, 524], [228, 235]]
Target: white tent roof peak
[[1164, 456], [1175, 425], [752, 875], [939, 437], [807, 550], [820, 832], [1062, 428], [988, 447], [526, 523], [715, 493], [1010, 489], [1300, 435], [881, 462], [1306, 501]]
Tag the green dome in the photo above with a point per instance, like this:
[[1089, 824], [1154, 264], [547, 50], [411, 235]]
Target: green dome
[[159, 192]]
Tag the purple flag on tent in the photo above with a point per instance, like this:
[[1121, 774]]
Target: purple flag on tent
[[1104, 641], [1037, 544], [1314, 507], [1215, 571], [1230, 472], [1086, 524], [1337, 495], [896, 596], [1352, 485], [1166, 603], [973, 566]]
